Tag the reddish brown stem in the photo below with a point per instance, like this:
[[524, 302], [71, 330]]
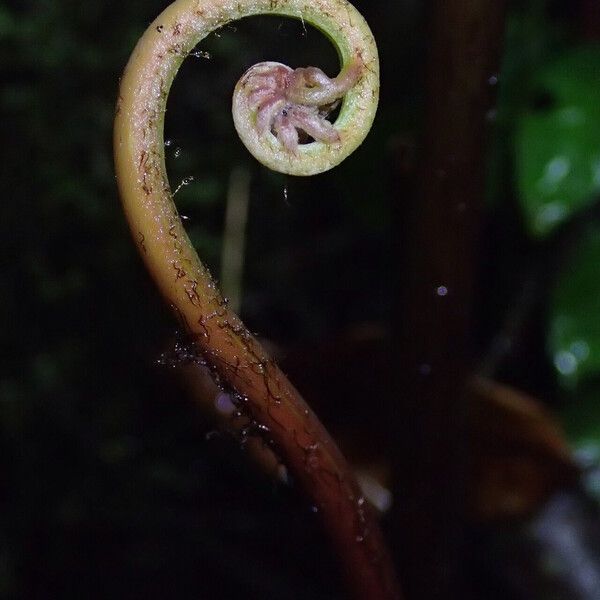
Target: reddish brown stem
[[442, 225], [263, 393]]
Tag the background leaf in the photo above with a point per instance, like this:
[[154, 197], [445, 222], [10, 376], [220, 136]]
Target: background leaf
[[558, 141], [574, 326]]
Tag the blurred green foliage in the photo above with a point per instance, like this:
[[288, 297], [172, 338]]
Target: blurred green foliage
[[581, 420], [546, 154], [557, 150], [574, 314]]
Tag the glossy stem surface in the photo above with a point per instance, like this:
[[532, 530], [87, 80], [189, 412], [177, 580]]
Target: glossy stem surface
[[261, 389]]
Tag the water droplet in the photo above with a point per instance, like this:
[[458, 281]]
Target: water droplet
[[168, 143], [184, 181], [580, 349], [441, 290], [184, 217], [554, 173], [285, 194], [201, 54], [550, 214], [177, 152], [360, 538], [493, 80], [314, 508], [303, 26], [565, 362]]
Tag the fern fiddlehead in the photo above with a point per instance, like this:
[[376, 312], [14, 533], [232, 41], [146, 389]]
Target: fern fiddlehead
[[281, 116]]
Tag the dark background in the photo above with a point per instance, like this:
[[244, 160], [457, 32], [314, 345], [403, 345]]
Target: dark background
[[109, 486]]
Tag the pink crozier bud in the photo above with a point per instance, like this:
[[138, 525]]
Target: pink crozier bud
[[291, 103]]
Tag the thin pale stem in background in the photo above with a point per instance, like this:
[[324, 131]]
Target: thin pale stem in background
[[234, 236]]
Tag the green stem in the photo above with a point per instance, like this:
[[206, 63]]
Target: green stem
[[263, 392]]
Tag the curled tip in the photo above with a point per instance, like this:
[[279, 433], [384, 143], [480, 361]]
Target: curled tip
[[311, 87], [281, 114], [269, 121]]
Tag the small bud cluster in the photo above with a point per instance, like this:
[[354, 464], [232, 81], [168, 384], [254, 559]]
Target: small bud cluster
[[293, 104]]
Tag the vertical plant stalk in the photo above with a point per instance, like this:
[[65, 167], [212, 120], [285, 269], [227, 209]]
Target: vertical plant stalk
[[234, 236], [442, 226], [259, 388]]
